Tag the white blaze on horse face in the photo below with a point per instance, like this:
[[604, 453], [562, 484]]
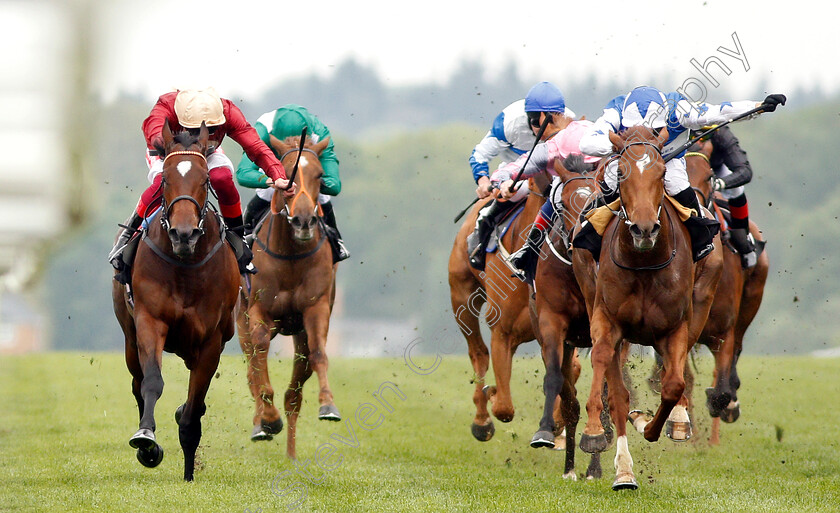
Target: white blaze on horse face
[[643, 163], [303, 161], [184, 167]]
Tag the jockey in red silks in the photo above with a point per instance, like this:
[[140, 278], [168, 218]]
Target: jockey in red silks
[[187, 109]]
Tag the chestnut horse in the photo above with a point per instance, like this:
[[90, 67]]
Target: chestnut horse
[[184, 285], [506, 313], [293, 294], [736, 304], [559, 314], [646, 290]]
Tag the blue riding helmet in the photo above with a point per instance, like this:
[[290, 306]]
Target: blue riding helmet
[[545, 97]]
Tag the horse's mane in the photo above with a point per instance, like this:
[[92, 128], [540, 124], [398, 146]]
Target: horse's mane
[[639, 133], [575, 164], [184, 138]]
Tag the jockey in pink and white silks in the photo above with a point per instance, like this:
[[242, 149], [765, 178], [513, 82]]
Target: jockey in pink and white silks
[[563, 144], [647, 106]]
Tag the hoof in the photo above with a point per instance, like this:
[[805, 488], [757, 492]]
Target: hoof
[[639, 420], [543, 439], [570, 475], [716, 404], [328, 412], [143, 439], [592, 444], [625, 482], [483, 433], [178, 412], [731, 413], [678, 431], [266, 430], [150, 458]]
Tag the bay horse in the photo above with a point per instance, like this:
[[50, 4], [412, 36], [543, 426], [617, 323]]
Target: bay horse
[[561, 323], [184, 286], [292, 294], [506, 314], [647, 290], [735, 305]]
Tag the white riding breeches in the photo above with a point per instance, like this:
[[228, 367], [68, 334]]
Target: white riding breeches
[[676, 177]]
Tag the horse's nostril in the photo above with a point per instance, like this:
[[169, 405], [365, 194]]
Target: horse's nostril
[[313, 221], [296, 222], [655, 231], [635, 230]]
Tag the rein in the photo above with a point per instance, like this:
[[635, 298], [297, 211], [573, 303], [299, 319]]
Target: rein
[[623, 214], [287, 210], [202, 211]]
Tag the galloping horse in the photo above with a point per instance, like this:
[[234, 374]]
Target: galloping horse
[[506, 314], [559, 314], [735, 305], [648, 291], [292, 294], [184, 287]]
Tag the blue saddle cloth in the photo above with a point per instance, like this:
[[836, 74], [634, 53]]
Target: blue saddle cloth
[[492, 246]]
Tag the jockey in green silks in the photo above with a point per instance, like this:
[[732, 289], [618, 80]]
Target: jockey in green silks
[[284, 122]]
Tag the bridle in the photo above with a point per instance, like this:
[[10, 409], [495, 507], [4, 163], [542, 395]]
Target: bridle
[[287, 210], [628, 222], [202, 209]]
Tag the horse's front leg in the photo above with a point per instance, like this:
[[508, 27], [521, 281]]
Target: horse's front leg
[[316, 322], [190, 413], [619, 401], [605, 337], [151, 334], [553, 329], [674, 350], [255, 333]]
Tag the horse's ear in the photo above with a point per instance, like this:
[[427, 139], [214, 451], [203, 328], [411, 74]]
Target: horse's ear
[[203, 135], [561, 170], [321, 146], [278, 145], [167, 136], [662, 138], [617, 141]]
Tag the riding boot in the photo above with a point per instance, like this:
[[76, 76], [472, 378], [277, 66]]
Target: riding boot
[[235, 236], [254, 212], [477, 241], [339, 250], [743, 244], [129, 229], [701, 230], [524, 260]]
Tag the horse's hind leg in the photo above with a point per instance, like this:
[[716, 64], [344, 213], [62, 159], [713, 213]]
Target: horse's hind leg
[[189, 423], [465, 304], [294, 394], [316, 321], [255, 340]]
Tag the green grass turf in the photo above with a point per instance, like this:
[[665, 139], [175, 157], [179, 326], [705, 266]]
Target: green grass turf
[[65, 421]]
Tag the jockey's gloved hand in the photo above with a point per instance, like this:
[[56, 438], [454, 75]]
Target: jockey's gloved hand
[[718, 184], [772, 101]]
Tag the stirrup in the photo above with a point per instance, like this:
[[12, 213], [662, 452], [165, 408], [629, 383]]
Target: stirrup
[[704, 252]]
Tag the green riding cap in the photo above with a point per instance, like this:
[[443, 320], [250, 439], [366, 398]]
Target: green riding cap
[[284, 122]]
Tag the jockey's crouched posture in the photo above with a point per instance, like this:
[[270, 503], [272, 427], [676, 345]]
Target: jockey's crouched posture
[[647, 106], [514, 130], [187, 109], [288, 121]]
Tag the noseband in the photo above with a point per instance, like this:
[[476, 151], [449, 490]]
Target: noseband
[[202, 209], [628, 222], [287, 211]]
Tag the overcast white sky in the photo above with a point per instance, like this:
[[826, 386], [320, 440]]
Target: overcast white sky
[[242, 47]]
